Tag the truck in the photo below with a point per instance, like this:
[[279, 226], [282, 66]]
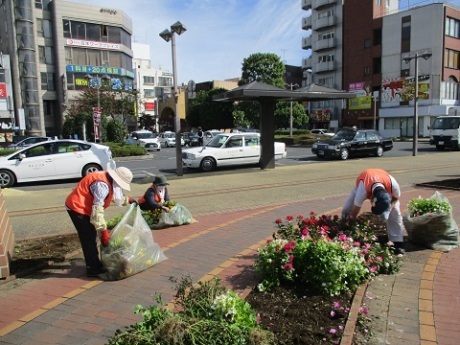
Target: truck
[[445, 132]]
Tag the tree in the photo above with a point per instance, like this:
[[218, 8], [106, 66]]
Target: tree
[[116, 105], [283, 115], [204, 112], [264, 67], [269, 69]]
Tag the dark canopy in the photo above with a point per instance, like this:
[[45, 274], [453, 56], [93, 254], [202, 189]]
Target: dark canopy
[[267, 95]]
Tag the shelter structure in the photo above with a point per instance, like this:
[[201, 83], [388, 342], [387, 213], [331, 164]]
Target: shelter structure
[[267, 96]]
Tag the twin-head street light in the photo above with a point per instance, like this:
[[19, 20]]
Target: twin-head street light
[[425, 54], [169, 35]]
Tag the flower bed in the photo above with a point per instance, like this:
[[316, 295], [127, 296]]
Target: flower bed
[[309, 272]]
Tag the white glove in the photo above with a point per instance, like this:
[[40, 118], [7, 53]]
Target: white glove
[[97, 218]]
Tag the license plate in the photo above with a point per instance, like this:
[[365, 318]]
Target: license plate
[[321, 152], [441, 143]]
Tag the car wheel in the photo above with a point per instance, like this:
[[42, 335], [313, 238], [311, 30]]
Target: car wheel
[[440, 147], [7, 179], [344, 154], [208, 164], [90, 168], [166, 144], [379, 151]]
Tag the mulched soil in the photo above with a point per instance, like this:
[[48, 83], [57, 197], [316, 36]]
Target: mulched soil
[[296, 316]]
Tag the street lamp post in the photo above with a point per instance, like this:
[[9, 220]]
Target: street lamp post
[[426, 54], [169, 35], [292, 86]]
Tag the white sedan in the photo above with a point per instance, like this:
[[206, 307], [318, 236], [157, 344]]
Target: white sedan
[[227, 149], [54, 160]]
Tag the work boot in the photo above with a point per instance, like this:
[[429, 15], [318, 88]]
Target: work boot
[[399, 248]]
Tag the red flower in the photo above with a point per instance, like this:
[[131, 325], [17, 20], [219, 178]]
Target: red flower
[[289, 218], [278, 221]]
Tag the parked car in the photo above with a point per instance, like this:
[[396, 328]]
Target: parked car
[[228, 149], [320, 131], [191, 139], [28, 142], [146, 139], [209, 135], [54, 160], [168, 139], [349, 142]]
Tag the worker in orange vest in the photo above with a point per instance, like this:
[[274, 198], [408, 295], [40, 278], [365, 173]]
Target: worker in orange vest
[[86, 204], [384, 192]]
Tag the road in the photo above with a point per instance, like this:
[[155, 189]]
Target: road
[[39, 211]]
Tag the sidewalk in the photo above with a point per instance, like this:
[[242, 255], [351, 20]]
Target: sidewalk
[[419, 305]]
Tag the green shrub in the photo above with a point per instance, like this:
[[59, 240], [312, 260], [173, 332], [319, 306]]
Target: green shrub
[[126, 150], [6, 152]]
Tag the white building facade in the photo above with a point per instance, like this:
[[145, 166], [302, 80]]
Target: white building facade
[[422, 31]]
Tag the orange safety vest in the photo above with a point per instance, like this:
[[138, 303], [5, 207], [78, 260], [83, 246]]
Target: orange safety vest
[[80, 200], [141, 200], [373, 176]]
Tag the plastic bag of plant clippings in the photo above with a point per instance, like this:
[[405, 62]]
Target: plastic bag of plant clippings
[[430, 223], [131, 248], [178, 215]]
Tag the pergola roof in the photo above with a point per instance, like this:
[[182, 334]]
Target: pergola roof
[[257, 91]]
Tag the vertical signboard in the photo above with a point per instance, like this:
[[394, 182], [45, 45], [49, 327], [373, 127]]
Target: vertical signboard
[[97, 123]]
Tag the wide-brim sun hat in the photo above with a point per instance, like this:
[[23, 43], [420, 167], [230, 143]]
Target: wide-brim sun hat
[[122, 176], [160, 180], [381, 203]]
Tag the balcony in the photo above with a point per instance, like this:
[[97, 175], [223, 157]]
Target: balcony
[[327, 66], [306, 42], [307, 63], [324, 44], [306, 23], [324, 23], [306, 5], [317, 4]]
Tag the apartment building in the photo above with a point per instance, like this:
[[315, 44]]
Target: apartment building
[[58, 48]]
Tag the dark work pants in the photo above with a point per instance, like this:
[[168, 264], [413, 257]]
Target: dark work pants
[[88, 239]]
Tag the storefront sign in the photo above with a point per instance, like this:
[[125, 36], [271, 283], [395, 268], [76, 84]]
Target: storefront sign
[[92, 44]]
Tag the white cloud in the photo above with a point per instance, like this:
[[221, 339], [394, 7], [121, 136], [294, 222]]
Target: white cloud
[[220, 33]]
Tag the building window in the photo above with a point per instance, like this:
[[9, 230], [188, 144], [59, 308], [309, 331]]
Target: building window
[[452, 27], [367, 43], [48, 108], [405, 34], [377, 37], [325, 14], [149, 80], [327, 81], [326, 36], [326, 58], [452, 59], [40, 27], [377, 65], [367, 71], [66, 28], [162, 81], [47, 81], [47, 31], [149, 93], [38, 4], [41, 54]]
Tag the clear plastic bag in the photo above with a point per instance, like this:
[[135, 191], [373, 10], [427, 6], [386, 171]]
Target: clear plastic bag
[[435, 230], [178, 215], [131, 248]]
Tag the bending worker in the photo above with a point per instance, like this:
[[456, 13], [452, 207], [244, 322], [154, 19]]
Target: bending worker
[[155, 196], [86, 205], [383, 191]]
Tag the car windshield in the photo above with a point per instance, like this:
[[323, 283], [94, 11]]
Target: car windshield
[[218, 141], [169, 135], [344, 135], [446, 123], [145, 135]]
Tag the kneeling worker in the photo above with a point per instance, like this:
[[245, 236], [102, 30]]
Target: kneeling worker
[[383, 191]]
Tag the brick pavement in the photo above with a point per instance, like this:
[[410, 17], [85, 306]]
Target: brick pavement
[[416, 306]]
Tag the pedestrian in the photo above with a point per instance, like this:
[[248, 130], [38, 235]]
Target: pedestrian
[[86, 205], [156, 195], [383, 191], [200, 136]]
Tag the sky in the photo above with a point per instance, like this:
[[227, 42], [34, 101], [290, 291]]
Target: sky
[[220, 33]]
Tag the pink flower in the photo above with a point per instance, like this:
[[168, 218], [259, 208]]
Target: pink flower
[[379, 258], [288, 267], [299, 217], [332, 331], [259, 319], [332, 313], [363, 310], [289, 218], [373, 269], [336, 305]]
